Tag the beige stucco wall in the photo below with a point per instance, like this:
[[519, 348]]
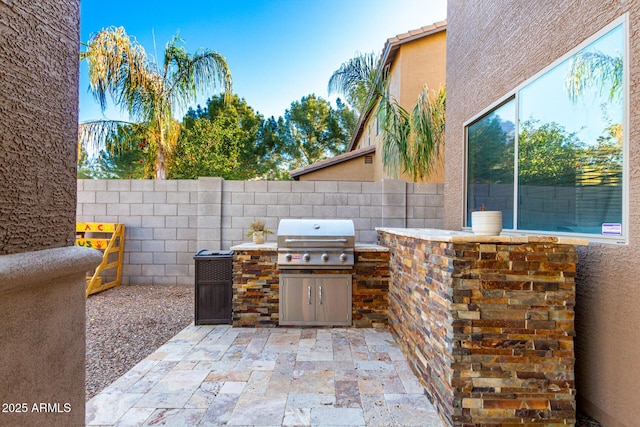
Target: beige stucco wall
[[38, 120], [368, 135], [42, 358], [493, 47], [350, 170], [422, 61]]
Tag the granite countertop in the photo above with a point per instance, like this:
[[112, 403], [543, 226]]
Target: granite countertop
[[468, 237], [267, 246], [370, 247], [272, 246]]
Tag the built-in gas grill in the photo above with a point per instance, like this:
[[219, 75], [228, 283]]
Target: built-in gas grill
[[312, 292], [316, 243]]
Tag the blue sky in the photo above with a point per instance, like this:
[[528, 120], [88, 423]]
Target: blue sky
[[278, 51]]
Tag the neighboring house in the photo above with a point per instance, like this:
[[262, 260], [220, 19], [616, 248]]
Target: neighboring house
[[558, 159], [414, 59]]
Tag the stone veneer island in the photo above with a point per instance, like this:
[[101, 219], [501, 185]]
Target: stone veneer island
[[256, 285], [487, 323]]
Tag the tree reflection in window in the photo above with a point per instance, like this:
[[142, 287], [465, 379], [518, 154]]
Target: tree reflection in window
[[490, 163], [593, 71], [570, 142]]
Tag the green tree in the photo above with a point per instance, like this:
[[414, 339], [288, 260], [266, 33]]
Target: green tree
[[547, 155], [346, 119], [355, 79], [491, 151], [220, 140], [312, 131], [149, 92], [126, 156], [271, 142]]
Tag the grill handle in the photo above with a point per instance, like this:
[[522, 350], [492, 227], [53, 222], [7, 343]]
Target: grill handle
[[315, 240], [309, 295]]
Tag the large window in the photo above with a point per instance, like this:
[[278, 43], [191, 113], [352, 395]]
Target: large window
[[551, 156]]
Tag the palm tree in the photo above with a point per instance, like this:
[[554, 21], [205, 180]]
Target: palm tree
[[412, 141], [355, 79], [597, 70], [604, 73], [119, 67]]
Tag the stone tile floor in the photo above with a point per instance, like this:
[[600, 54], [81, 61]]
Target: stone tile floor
[[219, 375]]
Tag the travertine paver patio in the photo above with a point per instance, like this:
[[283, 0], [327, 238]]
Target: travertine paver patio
[[219, 375]]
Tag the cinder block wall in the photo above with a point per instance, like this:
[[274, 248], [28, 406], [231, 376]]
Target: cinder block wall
[[167, 222]]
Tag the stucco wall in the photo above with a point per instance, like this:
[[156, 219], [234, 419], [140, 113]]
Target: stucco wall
[[492, 48], [42, 276], [43, 336], [420, 62], [351, 170], [38, 118]]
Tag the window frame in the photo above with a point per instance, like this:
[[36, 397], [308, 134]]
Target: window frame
[[514, 95]]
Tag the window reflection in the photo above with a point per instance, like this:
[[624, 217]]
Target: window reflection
[[490, 163], [570, 142], [569, 146]]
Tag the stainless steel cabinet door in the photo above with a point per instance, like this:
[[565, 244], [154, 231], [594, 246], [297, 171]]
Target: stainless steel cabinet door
[[318, 299], [333, 300], [297, 300]]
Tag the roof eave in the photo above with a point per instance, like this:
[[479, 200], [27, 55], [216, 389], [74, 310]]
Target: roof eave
[[349, 155]]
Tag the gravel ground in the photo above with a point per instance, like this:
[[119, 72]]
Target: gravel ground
[[127, 323]]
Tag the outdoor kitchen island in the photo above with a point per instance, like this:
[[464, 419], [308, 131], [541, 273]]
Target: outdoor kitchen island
[[256, 289], [487, 323]]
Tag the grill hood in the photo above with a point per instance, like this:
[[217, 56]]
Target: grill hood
[[326, 233]]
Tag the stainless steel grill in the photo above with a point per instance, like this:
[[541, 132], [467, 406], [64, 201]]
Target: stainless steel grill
[[315, 243], [307, 296]]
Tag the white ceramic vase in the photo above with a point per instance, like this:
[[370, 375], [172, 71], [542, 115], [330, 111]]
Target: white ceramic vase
[[486, 223]]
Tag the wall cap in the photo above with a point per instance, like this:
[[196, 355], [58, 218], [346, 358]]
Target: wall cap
[[18, 271], [453, 236]]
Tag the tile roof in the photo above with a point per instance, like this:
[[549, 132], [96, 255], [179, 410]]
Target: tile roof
[[416, 34], [332, 161]]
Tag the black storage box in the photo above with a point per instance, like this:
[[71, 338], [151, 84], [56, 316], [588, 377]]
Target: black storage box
[[214, 281]]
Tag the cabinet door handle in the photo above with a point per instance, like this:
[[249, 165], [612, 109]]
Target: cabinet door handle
[[320, 294], [309, 295]]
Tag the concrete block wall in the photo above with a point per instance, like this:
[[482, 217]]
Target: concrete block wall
[[162, 225], [167, 222], [425, 205]]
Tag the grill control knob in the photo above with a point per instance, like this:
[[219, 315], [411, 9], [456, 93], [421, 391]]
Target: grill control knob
[[324, 257], [343, 257], [306, 257], [287, 257]]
